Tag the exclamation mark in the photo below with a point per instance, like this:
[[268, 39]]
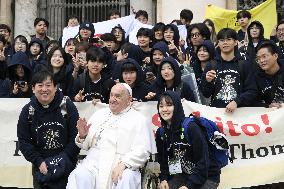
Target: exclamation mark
[[265, 120]]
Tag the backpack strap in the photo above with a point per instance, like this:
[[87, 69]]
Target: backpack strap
[[63, 106]]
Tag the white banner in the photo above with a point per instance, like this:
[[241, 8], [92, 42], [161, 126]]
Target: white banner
[[256, 138]]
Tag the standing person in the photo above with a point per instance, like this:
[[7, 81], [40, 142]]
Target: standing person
[[113, 14], [186, 17], [119, 33], [119, 141], [86, 33], [169, 78], [243, 18], [269, 76], [41, 26], [229, 82], [93, 84], [132, 74], [46, 132], [280, 37], [198, 169], [142, 16], [211, 26], [158, 32], [6, 31], [36, 55], [144, 38], [57, 64]]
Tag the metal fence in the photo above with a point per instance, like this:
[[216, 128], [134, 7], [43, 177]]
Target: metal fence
[[58, 11]]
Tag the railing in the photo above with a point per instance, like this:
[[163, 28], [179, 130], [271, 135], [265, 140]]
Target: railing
[[58, 11]]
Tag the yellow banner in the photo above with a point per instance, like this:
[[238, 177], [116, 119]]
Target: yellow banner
[[265, 13], [256, 138]]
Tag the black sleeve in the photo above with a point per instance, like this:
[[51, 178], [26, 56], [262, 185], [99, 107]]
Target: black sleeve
[[187, 93], [26, 143], [249, 90], [200, 155], [207, 88], [71, 148], [162, 156]]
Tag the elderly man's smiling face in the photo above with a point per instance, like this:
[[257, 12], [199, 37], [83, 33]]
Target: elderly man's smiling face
[[119, 98]]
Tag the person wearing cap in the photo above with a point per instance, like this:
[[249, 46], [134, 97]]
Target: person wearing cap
[[41, 26], [119, 142], [86, 33]]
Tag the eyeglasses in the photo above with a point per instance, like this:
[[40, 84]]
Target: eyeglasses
[[280, 30], [264, 57], [226, 40], [197, 34]]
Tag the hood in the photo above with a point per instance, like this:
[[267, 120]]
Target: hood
[[261, 34], [38, 41], [19, 58], [52, 106], [176, 33], [161, 46], [136, 54], [210, 46], [140, 75], [173, 62], [178, 114]]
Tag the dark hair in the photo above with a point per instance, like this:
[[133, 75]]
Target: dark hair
[[3, 40], [141, 13], [41, 76], [128, 67], [186, 14], [122, 30], [37, 20], [112, 12], [6, 27], [202, 28], [73, 17], [22, 39], [108, 37], [55, 43], [82, 45], [51, 52], [270, 45], [168, 99], [243, 14], [213, 33], [96, 54], [126, 48], [160, 26], [279, 23], [144, 32], [70, 41], [226, 33]]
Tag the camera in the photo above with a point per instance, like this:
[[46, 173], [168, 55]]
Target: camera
[[21, 83]]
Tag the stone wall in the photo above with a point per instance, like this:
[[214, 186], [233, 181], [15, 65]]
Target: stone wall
[[25, 14]]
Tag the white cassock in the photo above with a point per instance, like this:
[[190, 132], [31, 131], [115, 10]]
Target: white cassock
[[125, 137]]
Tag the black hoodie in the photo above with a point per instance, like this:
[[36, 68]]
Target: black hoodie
[[20, 58], [196, 158], [140, 88], [161, 46], [179, 86], [270, 87], [49, 134], [231, 83]]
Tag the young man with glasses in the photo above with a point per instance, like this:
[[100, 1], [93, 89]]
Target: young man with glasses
[[280, 37], [269, 76], [229, 81]]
